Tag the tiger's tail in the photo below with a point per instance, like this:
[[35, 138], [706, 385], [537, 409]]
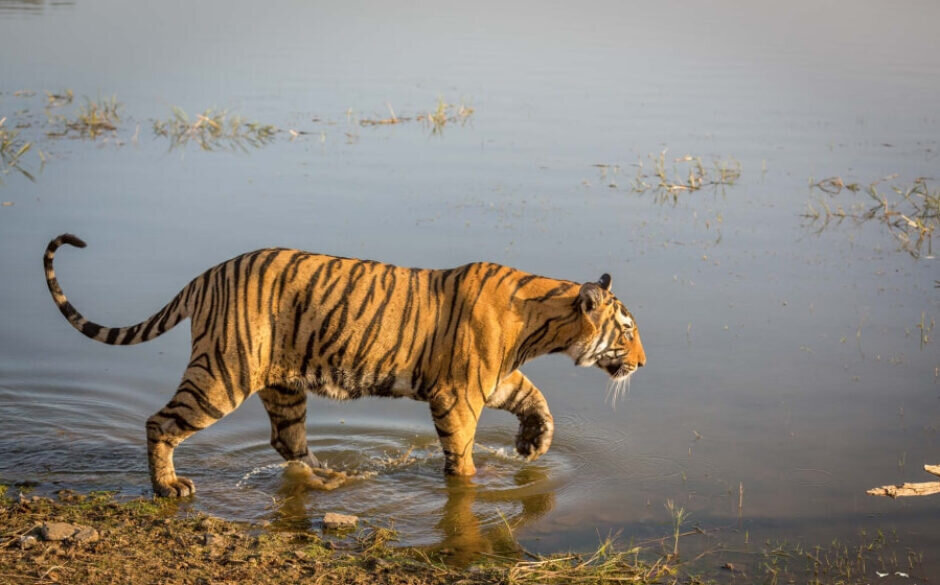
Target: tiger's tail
[[166, 318]]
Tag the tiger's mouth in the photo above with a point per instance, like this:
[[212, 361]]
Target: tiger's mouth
[[617, 369]]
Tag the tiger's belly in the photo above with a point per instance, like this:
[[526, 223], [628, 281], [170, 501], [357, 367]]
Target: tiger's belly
[[340, 384]]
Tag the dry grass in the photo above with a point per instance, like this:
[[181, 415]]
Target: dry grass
[[911, 212], [688, 173], [214, 130]]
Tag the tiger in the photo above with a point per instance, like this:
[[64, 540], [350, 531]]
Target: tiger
[[282, 323]]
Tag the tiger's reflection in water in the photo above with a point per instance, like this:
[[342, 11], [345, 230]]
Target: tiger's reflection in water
[[474, 519]]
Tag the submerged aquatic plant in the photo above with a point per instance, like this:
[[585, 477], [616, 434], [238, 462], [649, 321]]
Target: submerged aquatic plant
[[911, 214], [214, 130]]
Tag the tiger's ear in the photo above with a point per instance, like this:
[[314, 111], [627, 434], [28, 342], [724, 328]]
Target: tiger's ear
[[589, 296], [604, 281]]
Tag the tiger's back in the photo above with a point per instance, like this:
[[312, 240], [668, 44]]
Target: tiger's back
[[282, 323]]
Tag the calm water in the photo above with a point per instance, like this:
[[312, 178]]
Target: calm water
[[782, 358]]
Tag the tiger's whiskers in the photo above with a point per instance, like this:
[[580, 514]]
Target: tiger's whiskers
[[616, 389]]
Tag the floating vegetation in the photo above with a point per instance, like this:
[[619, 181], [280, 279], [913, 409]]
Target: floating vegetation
[[911, 214], [214, 130], [12, 149], [688, 174]]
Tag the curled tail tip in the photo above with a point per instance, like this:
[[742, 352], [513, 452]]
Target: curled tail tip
[[69, 239], [72, 240]]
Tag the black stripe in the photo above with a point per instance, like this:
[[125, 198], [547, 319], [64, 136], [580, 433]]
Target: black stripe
[[90, 329]]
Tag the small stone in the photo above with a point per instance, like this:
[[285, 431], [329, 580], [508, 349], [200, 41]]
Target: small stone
[[28, 541], [334, 521], [210, 524], [59, 531]]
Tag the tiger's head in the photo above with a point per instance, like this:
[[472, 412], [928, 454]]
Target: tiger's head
[[609, 336]]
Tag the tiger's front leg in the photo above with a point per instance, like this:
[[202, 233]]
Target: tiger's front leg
[[519, 396], [455, 414]]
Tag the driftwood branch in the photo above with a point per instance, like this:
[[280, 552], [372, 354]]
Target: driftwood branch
[[911, 489]]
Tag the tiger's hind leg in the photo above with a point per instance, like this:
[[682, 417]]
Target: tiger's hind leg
[[519, 396], [199, 401], [287, 409]]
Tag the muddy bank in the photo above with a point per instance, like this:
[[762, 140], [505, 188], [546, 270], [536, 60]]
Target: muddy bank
[[94, 538]]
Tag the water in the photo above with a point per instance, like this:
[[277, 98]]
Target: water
[[782, 358]]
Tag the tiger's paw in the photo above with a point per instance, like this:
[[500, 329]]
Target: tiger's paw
[[535, 435], [178, 487]]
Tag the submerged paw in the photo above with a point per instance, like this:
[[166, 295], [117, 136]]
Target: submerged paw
[[179, 487]]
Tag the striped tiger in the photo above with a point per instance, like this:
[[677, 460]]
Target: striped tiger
[[281, 323]]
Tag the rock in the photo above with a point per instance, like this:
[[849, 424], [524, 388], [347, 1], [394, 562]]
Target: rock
[[334, 521], [210, 524], [85, 535], [59, 531], [28, 541]]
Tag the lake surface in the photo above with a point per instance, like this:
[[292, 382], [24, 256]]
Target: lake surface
[[792, 362]]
